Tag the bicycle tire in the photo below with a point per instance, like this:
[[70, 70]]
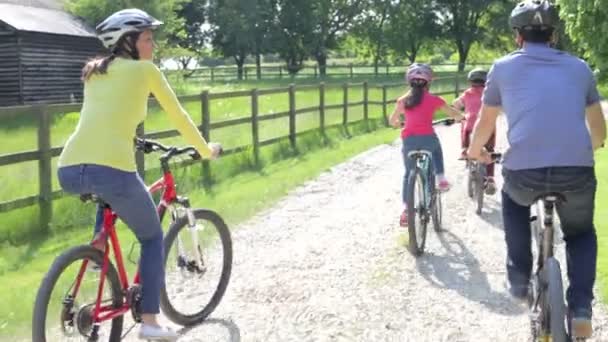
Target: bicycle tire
[[470, 176], [479, 188], [416, 245], [437, 212], [555, 295], [168, 308], [48, 283]]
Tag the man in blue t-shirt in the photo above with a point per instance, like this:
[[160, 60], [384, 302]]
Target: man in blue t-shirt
[[549, 97]]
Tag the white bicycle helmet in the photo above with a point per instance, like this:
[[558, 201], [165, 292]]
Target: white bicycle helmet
[[419, 71], [122, 22]]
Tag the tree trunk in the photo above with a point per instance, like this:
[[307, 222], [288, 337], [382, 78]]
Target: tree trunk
[[258, 66], [463, 53], [322, 62], [239, 65]]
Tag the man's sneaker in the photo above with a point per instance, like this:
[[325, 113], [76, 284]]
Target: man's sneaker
[[444, 185], [156, 333], [490, 186], [518, 293], [403, 218]]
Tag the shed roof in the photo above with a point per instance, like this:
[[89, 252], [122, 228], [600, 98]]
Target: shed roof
[[44, 20]]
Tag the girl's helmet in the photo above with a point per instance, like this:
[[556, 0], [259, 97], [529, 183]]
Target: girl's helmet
[[419, 71]]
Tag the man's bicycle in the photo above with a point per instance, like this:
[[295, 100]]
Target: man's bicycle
[[76, 303], [548, 317]]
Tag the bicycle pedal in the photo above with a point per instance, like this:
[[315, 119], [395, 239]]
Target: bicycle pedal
[[533, 218]]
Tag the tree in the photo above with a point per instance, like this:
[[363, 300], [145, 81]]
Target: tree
[[371, 30], [94, 12], [461, 20], [411, 23], [189, 38], [293, 32], [585, 23], [332, 19], [240, 28]]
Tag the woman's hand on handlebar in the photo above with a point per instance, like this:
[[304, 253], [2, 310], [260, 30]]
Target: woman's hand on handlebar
[[216, 150]]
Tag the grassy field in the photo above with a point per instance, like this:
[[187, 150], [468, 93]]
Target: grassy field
[[601, 220], [235, 198], [20, 134]]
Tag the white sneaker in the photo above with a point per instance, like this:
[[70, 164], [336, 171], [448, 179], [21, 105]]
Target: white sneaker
[[157, 333]]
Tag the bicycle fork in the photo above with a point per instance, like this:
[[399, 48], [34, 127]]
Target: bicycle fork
[[197, 263]]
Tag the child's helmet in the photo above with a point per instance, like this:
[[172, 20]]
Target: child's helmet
[[477, 75], [419, 71]]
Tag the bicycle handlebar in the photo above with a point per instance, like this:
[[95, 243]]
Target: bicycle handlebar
[[149, 146]]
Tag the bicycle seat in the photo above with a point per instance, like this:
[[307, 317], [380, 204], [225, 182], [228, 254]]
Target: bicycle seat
[[553, 197], [91, 198], [416, 153]]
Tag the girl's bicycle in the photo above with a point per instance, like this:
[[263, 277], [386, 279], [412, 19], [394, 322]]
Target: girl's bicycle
[[424, 199], [84, 296]]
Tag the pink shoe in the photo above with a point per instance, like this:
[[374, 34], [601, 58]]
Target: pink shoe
[[403, 218], [444, 185]]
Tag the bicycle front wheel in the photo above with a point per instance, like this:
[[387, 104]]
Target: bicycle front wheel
[[557, 308], [64, 305], [198, 262], [416, 216]]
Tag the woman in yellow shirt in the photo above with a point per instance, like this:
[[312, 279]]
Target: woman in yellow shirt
[[98, 157]]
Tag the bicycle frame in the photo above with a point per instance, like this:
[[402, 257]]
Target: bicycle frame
[[423, 163], [166, 184]]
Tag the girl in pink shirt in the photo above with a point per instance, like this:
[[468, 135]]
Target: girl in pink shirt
[[418, 107], [470, 101]]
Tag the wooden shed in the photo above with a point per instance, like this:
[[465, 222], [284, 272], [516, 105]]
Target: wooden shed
[[42, 52]]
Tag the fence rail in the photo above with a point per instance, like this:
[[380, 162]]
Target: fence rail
[[45, 152], [222, 73]]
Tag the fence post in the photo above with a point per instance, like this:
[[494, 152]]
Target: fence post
[[315, 71], [254, 126], [322, 108], [212, 73], [292, 115], [205, 131], [245, 71], [456, 84], [45, 168], [366, 104], [345, 105], [351, 70], [387, 67], [384, 105], [280, 71], [139, 155]]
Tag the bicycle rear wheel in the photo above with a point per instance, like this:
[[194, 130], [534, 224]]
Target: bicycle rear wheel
[[555, 295], [198, 263], [479, 187], [437, 212], [416, 207], [470, 181], [61, 316]]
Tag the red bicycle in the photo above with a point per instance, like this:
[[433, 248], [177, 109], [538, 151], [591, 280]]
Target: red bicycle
[[198, 248]]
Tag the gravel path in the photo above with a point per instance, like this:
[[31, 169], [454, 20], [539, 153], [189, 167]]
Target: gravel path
[[329, 263]]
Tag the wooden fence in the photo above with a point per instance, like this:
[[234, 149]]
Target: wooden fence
[[46, 152], [223, 73]]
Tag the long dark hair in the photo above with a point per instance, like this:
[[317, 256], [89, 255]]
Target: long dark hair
[[414, 97], [125, 47]]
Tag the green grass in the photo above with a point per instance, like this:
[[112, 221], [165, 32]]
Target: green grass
[[601, 220], [235, 197], [19, 134]]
